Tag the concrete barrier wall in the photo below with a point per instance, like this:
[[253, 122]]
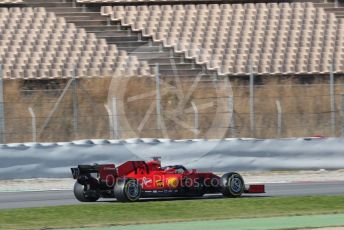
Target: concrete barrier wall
[[53, 160]]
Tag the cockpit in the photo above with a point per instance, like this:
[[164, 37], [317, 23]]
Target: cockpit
[[175, 169]]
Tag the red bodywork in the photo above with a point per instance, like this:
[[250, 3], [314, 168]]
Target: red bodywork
[[154, 179]]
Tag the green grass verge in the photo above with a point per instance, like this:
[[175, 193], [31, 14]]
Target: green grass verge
[[167, 211]]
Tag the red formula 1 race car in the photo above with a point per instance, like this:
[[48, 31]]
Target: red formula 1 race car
[[135, 179]]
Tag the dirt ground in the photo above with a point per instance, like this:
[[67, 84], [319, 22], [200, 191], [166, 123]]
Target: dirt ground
[[81, 111]]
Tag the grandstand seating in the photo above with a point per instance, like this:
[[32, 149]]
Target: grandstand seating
[[277, 38], [11, 1], [37, 44], [284, 38], [133, 1], [182, 1]]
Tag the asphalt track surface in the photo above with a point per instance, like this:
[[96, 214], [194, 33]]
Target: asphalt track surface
[[10, 200]]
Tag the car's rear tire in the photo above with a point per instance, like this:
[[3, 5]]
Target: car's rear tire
[[232, 185], [127, 190], [82, 195]]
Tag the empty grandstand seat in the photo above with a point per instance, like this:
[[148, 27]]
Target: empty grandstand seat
[[287, 32], [37, 44], [9, 2]]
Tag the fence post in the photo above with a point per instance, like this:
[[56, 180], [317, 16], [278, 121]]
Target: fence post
[[333, 102], [75, 103], [196, 119], [115, 119], [157, 85], [33, 123], [342, 114], [279, 118], [56, 105], [252, 113], [231, 116], [109, 112], [2, 108]]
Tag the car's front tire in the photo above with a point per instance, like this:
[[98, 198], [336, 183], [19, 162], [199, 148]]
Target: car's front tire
[[232, 185], [127, 190], [82, 195]]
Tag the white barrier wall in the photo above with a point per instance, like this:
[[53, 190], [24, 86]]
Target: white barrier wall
[[53, 160]]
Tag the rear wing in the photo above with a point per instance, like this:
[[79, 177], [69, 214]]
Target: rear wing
[[88, 169], [84, 169], [109, 169]]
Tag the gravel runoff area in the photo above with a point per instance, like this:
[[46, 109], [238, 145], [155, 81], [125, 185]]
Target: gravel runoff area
[[43, 184]]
